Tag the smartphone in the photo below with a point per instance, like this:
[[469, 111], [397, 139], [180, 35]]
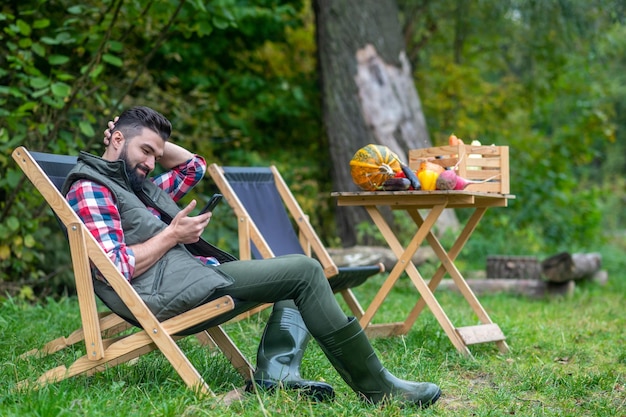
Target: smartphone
[[215, 199]]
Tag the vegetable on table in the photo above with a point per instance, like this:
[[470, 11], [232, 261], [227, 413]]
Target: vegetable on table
[[412, 177], [396, 184], [450, 180], [446, 180], [453, 140], [428, 179], [372, 165], [427, 174], [426, 165]]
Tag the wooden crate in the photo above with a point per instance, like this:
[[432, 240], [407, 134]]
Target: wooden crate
[[477, 163]]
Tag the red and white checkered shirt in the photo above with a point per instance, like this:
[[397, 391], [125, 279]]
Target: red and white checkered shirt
[[95, 205]]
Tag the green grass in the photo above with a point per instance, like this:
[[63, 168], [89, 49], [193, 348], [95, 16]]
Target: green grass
[[567, 359]]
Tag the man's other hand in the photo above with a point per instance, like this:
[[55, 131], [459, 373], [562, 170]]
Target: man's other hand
[[188, 229]]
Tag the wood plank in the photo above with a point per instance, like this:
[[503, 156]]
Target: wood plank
[[399, 199], [85, 292], [505, 179], [198, 315], [110, 324], [481, 333], [231, 351], [384, 330], [422, 199], [353, 303]]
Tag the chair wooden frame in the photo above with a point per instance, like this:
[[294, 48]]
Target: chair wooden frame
[[105, 347], [309, 240]]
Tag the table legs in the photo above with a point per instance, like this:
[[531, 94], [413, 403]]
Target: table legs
[[460, 337]]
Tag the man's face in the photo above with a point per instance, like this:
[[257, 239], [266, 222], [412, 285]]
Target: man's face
[[140, 155]]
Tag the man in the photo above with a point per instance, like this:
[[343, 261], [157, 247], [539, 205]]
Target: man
[[147, 236]]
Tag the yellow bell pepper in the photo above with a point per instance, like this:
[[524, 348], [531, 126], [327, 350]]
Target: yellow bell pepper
[[428, 179]]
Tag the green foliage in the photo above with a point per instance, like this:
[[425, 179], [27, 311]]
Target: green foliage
[[529, 79], [66, 69], [239, 81], [52, 65]]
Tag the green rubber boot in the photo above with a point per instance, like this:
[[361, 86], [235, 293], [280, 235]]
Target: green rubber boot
[[280, 354], [352, 355]]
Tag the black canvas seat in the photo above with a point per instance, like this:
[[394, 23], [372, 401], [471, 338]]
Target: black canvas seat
[[272, 223]]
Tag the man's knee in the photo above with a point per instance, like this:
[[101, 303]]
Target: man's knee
[[305, 267], [306, 263]]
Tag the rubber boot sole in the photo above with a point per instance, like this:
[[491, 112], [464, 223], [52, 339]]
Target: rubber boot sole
[[317, 393]]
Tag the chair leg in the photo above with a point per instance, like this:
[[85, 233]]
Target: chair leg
[[231, 351], [205, 340], [110, 324], [86, 366], [352, 302]]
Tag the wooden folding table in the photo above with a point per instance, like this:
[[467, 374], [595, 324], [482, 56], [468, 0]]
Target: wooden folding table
[[435, 202]]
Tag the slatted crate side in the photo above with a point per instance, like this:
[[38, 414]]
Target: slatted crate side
[[477, 163]]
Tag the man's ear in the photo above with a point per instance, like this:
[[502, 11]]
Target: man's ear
[[117, 140]]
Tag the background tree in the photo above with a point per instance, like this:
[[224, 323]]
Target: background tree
[[368, 94]]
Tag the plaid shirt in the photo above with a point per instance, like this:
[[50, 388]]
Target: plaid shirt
[[95, 205]]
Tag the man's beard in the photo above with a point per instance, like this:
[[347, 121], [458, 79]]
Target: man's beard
[[135, 178], [136, 175]]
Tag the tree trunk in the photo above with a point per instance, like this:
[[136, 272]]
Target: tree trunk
[[367, 89]]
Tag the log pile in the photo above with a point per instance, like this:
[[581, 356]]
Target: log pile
[[527, 276], [517, 275], [513, 267], [575, 267], [531, 288]]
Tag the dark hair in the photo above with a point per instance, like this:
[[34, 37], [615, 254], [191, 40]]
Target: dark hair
[[133, 120]]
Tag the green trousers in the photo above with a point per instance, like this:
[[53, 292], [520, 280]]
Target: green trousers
[[291, 277]]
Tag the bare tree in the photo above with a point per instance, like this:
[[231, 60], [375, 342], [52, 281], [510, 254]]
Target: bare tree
[[367, 89]]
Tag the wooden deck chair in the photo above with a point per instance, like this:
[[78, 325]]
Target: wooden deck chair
[[267, 211], [105, 346]]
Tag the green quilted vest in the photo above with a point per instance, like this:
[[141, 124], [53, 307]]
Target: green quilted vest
[[178, 281]]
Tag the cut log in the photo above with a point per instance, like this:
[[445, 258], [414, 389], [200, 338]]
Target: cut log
[[567, 267], [601, 277], [532, 288], [371, 255], [514, 267], [557, 266]]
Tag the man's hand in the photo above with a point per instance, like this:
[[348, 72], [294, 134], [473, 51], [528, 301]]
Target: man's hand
[[109, 130], [186, 229], [173, 155], [183, 229]]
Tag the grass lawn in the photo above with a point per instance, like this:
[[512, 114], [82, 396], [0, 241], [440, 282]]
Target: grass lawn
[[567, 359]]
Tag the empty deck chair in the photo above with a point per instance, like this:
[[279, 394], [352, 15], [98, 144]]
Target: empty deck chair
[[272, 223]]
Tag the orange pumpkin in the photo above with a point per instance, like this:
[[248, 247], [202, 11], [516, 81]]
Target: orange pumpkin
[[372, 165]]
